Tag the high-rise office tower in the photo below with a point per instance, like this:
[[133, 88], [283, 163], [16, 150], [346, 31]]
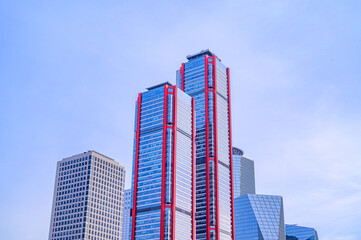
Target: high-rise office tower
[[163, 166], [126, 214], [88, 198], [294, 232], [243, 174], [259, 217], [206, 79]]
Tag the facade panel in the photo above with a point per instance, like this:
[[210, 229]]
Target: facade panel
[[243, 174], [126, 214], [259, 217]]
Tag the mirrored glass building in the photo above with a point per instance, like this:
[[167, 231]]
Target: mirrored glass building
[[207, 80], [259, 217], [243, 174], [163, 166], [294, 232]]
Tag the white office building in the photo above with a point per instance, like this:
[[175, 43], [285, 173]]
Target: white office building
[[88, 198]]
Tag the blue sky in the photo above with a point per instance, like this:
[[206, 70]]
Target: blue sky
[[70, 72]]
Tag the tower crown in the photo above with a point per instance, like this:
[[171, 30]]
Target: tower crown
[[159, 85], [237, 151], [202, 53]]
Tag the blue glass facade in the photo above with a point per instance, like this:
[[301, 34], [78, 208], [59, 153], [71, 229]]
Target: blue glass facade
[[259, 217], [206, 79], [243, 174], [163, 165], [294, 232], [126, 214]]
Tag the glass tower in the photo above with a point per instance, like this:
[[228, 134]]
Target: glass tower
[[206, 79], [243, 174], [163, 167], [126, 214], [88, 198], [294, 232], [259, 217]]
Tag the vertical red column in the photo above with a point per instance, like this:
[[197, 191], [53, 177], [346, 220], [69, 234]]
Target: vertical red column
[[214, 73], [134, 210], [193, 170], [164, 162], [174, 128], [230, 150], [207, 145]]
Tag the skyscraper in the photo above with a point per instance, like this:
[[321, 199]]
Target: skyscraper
[[126, 214], [88, 197], [243, 174], [294, 232], [207, 80], [259, 217], [163, 167]]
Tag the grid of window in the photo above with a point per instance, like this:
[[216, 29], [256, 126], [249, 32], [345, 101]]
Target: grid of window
[[237, 172], [194, 85], [150, 165], [88, 198], [126, 214], [224, 186], [259, 217], [183, 222], [105, 199], [71, 188], [294, 232]]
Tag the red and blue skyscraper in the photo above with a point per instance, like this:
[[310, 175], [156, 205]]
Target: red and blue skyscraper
[[182, 171], [163, 199], [207, 80]]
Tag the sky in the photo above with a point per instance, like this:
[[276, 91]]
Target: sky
[[70, 72]]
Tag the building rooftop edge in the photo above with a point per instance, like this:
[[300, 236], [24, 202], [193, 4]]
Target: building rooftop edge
[[201, 53], [255, 194], [101, 154], [159, 85], [296, 225], [92, 151]]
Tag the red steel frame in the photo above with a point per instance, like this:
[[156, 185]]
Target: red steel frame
[[193, 170], [215, 146], [207, 146], [174, 127], [164, 162], [214, 73], [135, 186], [230, 150]]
